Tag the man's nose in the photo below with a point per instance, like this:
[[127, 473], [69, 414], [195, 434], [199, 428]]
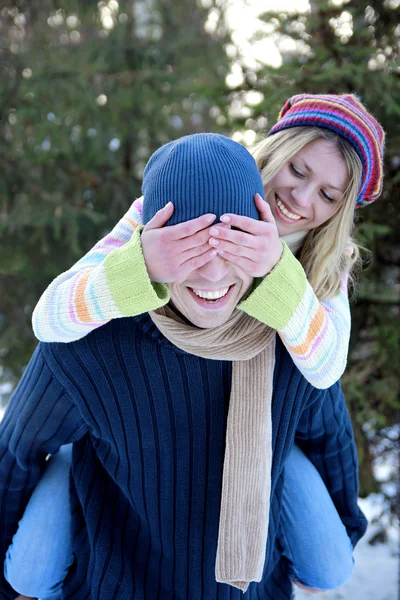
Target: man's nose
[[215, 270]]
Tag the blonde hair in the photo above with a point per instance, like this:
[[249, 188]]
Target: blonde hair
[[329, 250]]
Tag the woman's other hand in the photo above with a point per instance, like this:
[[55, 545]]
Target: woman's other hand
[[252, 245], [171, 253]]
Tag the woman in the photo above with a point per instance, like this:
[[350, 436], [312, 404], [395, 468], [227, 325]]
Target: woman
[[327, 254], [321, 159]]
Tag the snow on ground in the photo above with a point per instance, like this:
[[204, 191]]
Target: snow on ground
[[376, 570]]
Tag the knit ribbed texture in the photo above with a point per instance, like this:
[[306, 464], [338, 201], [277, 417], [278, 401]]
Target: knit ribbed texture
[[316, 334], [201, 173], [345, 115], [125, 270], [287, 275], [246, 485], [245, 502], [149, 423]]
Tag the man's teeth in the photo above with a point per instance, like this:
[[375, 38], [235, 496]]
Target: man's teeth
[[286, 212], [211, 295]]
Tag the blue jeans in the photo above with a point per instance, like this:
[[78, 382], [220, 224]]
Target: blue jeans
[[41, 551], [314, 538], [315, 541]]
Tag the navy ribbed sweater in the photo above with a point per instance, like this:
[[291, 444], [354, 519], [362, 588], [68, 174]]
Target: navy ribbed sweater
[[148, 421]]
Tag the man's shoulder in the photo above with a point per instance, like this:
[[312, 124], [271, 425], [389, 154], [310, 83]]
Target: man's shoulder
[[100, 338], [83, 360]]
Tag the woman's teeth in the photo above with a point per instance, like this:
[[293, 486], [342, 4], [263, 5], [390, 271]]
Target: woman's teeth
[[215, 295], [285, 211]]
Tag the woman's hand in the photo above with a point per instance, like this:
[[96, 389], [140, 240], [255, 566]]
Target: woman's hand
[[171, 253], [256, 248]]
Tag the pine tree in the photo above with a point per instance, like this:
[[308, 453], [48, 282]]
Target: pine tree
[[88, 92]]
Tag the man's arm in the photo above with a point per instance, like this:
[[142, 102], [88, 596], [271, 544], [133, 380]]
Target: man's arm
[[326, 436], [39, 419]]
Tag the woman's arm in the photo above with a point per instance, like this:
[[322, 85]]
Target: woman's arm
[[119, 278], [86, 297], [315, 333]]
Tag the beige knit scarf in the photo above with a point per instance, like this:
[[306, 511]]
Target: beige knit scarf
[[246, 482]]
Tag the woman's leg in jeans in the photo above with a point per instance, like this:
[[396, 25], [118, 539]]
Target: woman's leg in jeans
[[315, 540], [38, 559]]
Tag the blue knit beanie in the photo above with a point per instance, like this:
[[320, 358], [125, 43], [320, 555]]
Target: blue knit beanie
[[201, 173]]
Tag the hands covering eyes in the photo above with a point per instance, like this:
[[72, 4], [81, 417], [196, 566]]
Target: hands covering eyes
[[253, 245], [171, 253]]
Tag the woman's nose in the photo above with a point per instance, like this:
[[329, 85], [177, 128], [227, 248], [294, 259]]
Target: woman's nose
[[302, 195], [215, 270]]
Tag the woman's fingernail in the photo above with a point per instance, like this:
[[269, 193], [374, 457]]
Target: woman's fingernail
[[214, 231], [211, 218], [213, 253], [168, 205], [225, 219], [214, 242], [221, 252]]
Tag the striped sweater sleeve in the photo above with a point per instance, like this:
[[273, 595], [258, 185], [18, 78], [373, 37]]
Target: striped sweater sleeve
[[109, 282], [315, 333]]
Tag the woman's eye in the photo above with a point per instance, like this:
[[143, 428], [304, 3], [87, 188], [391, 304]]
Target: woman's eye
[[328, 198], [295, 171]]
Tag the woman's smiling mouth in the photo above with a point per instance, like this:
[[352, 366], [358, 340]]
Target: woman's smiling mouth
[[282, 208]]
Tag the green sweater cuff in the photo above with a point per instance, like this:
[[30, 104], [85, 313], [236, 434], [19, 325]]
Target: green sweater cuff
[[130, 286], [274, 300]]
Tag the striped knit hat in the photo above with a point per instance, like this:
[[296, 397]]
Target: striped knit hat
[[201, 173], [346, 116]]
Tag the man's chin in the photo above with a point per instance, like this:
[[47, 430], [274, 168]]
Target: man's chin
[[207, 319], [210, 323]]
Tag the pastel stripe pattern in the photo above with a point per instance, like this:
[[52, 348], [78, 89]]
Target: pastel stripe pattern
[[346, 116], [88, 295], [316, 334], [318, 343], [80, 300]]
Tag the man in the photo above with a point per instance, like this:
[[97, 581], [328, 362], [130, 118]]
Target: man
[[181, 421]]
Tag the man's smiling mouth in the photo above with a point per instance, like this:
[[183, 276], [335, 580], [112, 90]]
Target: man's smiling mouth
[[211, 296]]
